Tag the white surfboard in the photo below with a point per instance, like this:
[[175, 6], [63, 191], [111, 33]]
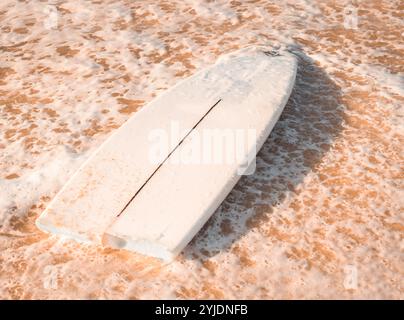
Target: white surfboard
[[127, 195]]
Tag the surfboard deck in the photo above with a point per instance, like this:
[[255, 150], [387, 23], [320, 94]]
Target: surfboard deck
[[125, 197]]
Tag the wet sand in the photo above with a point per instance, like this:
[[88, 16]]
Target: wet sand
[[322, 217]]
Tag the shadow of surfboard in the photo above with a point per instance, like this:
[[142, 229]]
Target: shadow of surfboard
[[310, 122]]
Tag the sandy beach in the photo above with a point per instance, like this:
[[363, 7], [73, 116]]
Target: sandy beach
[[322, 217]]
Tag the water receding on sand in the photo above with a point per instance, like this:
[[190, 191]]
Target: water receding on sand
[[322, 217]]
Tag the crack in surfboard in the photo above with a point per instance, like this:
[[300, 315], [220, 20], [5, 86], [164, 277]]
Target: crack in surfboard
[[168, 156]]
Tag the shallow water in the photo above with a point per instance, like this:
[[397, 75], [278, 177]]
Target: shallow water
[[322, 217]]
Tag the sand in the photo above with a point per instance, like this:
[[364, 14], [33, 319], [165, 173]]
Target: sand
[[322, 217]]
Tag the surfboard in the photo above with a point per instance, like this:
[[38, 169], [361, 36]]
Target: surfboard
[[150, 186]]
